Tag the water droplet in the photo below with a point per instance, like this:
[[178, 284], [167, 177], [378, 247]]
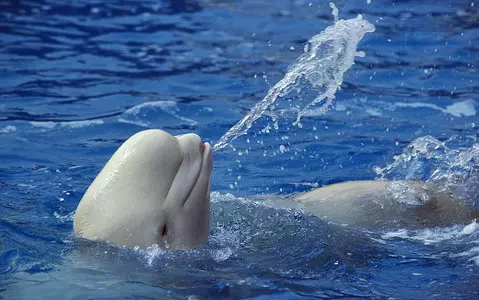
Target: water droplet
[[311, 65]]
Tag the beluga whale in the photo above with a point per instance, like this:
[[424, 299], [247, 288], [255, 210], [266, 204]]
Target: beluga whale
[[155, 189]]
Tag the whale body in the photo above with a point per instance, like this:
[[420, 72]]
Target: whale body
[[386, 204]]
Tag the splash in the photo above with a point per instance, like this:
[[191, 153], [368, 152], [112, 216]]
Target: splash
[[435, 235], [327, 56], [454, 163]]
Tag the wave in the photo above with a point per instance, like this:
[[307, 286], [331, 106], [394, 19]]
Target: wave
[[69, 124], [149, 113]]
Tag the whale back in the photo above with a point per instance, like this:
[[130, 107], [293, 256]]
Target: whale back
[[386, 204]]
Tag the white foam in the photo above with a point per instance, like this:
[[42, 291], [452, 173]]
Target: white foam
[[307, 184], [420, 105], [151, 253], [218, 197], [227, 240], [401, 233], [473, 253], [427, 158], [8, 129], [335, 11], [222, 254], [80, 124], [434, 235], [47, 124], [68, 124], [160, 104], [476, 260], [26, 185], [66, 218], [373, 112], [465, 108]]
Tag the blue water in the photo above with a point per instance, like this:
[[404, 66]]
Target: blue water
[[79, 77]]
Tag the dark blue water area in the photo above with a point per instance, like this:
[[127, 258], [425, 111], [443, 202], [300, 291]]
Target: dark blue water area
[[77, 78]]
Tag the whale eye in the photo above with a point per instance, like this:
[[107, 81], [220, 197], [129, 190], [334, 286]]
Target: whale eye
[[164, 230]]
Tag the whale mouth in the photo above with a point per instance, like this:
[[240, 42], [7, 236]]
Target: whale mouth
[[194, 172], [207, 157], [206, 166], [186, 208]]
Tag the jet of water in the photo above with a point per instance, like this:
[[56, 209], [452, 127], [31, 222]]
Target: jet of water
[[327, 56]]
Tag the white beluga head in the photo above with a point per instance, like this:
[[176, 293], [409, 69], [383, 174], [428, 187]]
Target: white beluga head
[[155, 189]]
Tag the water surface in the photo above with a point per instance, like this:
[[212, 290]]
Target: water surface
[[77, 79]]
